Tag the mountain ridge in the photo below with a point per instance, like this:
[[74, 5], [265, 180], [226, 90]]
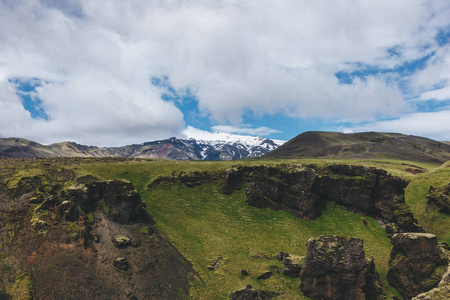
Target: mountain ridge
[[234, 147], [322, 144]]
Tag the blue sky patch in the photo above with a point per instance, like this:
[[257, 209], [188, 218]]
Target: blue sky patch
[[186, 100], [26, 90], [443, 36]]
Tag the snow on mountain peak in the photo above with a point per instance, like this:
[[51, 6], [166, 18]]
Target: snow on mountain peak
[[224, 137]]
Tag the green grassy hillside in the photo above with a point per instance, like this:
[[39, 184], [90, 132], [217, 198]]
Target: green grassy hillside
[[364, 145], [204, 224], [221, 235]]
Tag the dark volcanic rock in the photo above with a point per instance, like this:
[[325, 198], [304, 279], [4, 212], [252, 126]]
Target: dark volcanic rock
[[121, 263], [125, 204], [121, 241], [292, 189], [417, 263], [248, 293], [293, 264], [265, 275], [281, 255], [304, 190], [440, 197], [371, 192], [234, 178], [336, 268]]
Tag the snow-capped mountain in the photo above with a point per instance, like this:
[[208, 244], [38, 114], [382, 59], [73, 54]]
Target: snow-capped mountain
[[216, 146], [227, 147]]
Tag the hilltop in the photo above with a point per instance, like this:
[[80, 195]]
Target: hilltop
[[365, 145]]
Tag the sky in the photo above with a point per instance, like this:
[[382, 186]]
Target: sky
[[114, 72]]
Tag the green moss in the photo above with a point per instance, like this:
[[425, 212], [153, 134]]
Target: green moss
[[435, 278], [103, 206], [22, 288]]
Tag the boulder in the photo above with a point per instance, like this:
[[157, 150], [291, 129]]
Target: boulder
[[336, 268], [121, 241], [121, 263], [248, 293], [293, 265], [265, 275], [417, 263], [281, 255]]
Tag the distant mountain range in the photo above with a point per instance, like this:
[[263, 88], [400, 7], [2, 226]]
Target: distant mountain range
[[227, 147], [317, 144], [220, 146]]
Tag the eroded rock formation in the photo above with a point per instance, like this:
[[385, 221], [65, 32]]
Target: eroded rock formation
[[304, 190], [417, 263], [248, 293], [90, 234], [440, 198], [336, 268]]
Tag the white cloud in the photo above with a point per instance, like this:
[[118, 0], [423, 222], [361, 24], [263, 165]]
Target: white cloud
[[260, 131], [438, 94], [436, 73], [262, 56], [433, 125]]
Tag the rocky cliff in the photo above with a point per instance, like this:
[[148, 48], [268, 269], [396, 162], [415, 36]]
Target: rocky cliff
[[69, 237], [303, 190]]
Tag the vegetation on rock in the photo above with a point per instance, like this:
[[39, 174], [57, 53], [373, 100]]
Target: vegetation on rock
[[184, 218]]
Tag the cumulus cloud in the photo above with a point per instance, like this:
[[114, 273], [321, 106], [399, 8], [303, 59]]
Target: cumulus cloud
[[96, 60], [434, 125]]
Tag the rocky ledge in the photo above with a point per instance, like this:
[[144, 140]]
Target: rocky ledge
[[304, 190]]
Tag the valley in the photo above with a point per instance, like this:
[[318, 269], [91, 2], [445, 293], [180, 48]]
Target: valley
[[213, 229]]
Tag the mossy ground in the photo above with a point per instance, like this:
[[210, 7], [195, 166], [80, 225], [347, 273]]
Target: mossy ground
[[431, 219], [203, 223]]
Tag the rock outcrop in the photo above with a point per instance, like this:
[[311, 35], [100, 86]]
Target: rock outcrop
[[293, 264], [85, 233], [440, 198], [123, 201], [303, 190], [293, 190], [336, 268], [417, 263], [248, 293]]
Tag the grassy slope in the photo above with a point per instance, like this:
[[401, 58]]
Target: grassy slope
[[432, 220], [203, 223]]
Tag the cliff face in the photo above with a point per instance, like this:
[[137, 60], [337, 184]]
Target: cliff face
[[69, 237], [304, 190], [58, 222]]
